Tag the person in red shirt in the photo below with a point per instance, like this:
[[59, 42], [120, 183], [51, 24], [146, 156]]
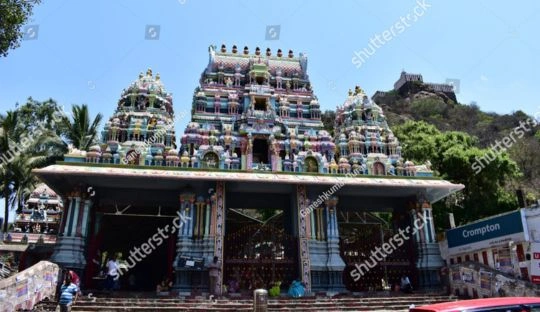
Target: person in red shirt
[[75, 278]]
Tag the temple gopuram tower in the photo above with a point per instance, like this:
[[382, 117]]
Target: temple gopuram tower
[[256, 112], [141, 130]]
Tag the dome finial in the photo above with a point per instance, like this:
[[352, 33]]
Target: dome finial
[[149, 72]]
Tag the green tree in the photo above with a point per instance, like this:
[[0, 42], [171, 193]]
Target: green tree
[[525, 153], [13, 14], [453, 156], [417, 139], [79, 131], [9, 131], [29, 138]]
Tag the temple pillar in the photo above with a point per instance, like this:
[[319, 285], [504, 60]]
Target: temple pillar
[[196, 240], [429, 259], [219, 204], [335, 264], [69, 251], [303, 234], [318, 250], [184, 244], [323, 240]]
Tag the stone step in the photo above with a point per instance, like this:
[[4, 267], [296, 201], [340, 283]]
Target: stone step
[[271, 301], [371, 304]]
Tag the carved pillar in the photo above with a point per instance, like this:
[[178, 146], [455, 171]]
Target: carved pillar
[[220, 228], [429, 259], [71, 244], [207, 209], [196, 239], [318, 248], [335, 264], [326, 263], [184, 244], [303, 247]]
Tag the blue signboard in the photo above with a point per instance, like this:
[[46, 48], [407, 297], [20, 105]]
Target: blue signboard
[[487, 230]]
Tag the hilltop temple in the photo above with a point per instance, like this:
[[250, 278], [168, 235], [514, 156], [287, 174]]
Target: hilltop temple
[[256, 180]]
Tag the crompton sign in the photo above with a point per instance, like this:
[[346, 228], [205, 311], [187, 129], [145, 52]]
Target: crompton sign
[[488, 233]]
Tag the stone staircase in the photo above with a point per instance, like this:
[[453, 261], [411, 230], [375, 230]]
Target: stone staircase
[[373, 302]]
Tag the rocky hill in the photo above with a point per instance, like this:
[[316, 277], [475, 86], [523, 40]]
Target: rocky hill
[[488, 128]]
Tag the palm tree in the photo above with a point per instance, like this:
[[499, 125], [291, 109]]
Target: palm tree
[[24, 147], [80, 131], [43, 151], [9, 130]]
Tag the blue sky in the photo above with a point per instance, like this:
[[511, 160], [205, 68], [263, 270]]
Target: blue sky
[[88, 51]]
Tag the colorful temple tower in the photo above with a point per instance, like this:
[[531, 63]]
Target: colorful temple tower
[[256, 181], [141, 130], [365, 143], [256, 112]]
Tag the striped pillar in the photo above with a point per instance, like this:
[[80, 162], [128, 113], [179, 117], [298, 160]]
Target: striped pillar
[[207, 209], [85, 218], [67, 216], [73, 216], [220, 227], [303, 248]]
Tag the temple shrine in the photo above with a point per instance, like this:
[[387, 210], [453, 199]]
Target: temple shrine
[[35, 229], [256, 180]]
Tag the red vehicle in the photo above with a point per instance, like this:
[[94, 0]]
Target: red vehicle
[[505, 304]]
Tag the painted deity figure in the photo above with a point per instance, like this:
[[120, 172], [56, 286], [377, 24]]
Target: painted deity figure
[[295, 80], [237, 75], [233, 103], [278, 78], [220, 73], [284, 106], [141, 104], [228, 82], [373, 142], [293, 142], [137, 130]]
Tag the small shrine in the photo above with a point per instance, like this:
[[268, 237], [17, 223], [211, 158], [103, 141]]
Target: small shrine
[[35, 229]]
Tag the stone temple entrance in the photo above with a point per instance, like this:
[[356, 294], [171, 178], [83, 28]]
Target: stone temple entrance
[[258, 250]]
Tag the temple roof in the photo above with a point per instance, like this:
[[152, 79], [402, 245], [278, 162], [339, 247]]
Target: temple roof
[[105, 175], [229, 60]]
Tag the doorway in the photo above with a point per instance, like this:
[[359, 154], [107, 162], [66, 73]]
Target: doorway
[[260, 151], [258, 250], [126, 235]]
